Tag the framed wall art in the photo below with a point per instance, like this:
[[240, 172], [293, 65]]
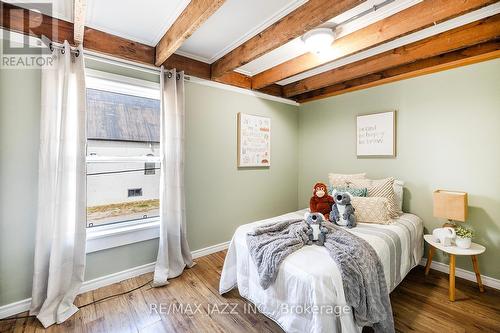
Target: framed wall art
[[254, 141], [376, 135]]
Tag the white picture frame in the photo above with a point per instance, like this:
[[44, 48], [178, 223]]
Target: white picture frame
[[376, 135], [254, 141]]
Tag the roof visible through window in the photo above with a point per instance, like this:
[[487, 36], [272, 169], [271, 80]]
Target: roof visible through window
[[121, 117]]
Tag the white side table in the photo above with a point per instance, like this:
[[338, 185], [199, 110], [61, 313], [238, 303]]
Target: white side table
[[453, 251]]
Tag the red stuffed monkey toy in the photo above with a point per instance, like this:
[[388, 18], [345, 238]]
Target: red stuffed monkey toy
[[321, 202]]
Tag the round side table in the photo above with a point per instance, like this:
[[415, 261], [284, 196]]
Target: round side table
[[453, 251]]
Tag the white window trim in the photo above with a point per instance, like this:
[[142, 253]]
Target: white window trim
[[118, 234], [95, 79], [110, 159], [113, 235]]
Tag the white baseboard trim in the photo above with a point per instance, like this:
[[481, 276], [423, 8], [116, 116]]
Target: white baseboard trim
[[210, 249], [15, 308], [24, 305], [462, 273]]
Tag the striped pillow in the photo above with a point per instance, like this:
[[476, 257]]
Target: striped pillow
[[379, 188]]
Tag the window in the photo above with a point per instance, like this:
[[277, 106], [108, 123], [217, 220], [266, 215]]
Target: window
[[149, 168], [123, 131], [135, 192]]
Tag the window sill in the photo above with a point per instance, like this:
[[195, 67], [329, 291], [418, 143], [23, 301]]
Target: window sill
[[110, 236]]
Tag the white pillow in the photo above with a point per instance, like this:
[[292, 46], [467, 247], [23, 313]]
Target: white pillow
[[398, 192], [340, 179], [372, 210]]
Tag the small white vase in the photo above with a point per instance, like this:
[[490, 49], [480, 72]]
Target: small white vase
[[463, 243]]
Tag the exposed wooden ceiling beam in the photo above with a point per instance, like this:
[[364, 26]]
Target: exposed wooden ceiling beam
[[273, 89], [189, 66], [417, 17], [79, 10], [302, 19], [470, 34], [463, 57], [202, 70], [102, 42], [235, 79], [191, 18]]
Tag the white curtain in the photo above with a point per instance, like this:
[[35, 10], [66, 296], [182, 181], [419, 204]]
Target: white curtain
[[173, 253], [60, 230]]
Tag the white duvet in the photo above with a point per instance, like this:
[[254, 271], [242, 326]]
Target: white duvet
[[308, 294]]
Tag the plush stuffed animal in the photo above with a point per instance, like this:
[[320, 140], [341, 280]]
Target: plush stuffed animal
[[316, 231], [342, 210], [321, 202]]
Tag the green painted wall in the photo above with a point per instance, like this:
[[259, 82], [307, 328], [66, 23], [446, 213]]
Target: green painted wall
[[219, 196], [19, 139], [448, 136]]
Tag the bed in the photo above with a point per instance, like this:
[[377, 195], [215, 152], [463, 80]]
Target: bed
[[309, 283]]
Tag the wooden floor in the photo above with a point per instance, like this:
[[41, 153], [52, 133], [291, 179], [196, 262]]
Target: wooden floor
[[419, 303]]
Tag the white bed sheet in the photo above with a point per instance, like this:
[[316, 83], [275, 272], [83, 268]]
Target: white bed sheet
[[309, 277]]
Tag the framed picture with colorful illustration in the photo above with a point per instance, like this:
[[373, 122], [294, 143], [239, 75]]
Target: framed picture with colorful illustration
[[254, 141], [376, 135]]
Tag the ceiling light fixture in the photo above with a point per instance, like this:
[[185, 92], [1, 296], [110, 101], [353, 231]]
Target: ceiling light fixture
[[319, 40]]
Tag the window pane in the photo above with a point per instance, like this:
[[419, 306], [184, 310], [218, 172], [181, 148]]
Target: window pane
[[120, 125], [124, 118], [119, 192]]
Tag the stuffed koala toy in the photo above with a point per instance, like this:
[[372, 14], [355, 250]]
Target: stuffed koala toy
[[342, 210], [316, 231]]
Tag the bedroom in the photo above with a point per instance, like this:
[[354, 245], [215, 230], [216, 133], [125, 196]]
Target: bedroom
[[426, 71]]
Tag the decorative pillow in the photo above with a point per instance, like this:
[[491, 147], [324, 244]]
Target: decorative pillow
[[398, 192], [371, 210], [339, 179], [357, 192], [379, 188]]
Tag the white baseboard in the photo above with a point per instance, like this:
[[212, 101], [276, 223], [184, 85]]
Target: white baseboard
[[15, 308], [462, 273], [209, 250], [116, 277], [24, 305]]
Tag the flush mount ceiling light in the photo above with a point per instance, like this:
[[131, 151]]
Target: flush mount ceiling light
[[318, 40]]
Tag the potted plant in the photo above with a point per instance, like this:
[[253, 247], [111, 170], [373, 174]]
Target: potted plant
[[464, 237]]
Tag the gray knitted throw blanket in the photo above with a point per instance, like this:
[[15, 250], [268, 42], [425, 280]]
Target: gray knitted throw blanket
[[362, 273]]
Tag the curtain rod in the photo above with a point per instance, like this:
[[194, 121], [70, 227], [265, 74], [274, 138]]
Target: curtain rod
[[54, 45]]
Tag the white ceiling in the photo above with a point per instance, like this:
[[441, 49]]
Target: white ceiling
[[233, 24], [145, 21]]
